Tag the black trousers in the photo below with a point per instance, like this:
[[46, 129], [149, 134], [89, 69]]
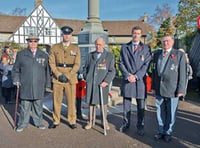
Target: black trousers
[[127, 112]]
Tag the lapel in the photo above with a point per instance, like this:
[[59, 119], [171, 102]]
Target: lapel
[[94, 56], [139, 51], [103, 55], [38, 53], [28, 53], [168, 62]]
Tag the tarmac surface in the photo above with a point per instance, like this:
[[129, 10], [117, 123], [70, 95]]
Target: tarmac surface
[[186, 132]]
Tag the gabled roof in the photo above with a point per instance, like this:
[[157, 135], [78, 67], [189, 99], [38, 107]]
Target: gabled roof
[[10, 23], [118, 28]]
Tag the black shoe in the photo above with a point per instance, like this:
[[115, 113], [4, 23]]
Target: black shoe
[[158, 136], [140, 132], [181, 98], [52, 126], [167, 138], [81, 117], [72, 126], [123, 128]]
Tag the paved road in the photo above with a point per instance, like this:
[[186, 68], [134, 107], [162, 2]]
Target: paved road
[[187, 130]]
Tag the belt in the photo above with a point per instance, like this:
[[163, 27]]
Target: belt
[[64, 65]]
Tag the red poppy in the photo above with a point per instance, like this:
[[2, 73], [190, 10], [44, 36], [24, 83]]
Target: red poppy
[[173, 56], [140, 47]]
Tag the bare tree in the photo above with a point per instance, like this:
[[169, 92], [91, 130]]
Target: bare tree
[[19, 12], [160, 15]]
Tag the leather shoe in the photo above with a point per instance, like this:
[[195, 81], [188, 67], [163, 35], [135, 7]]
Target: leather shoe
[[81, 117], [167, 138], [123, 128], [158, 136], [52, 126], [140, 132], [72, 126]]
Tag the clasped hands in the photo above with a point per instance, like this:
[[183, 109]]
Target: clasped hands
[[62, 78], [132, 78]]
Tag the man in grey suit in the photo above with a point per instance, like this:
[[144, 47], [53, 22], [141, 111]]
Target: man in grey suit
[[134, 61], [169, 79]]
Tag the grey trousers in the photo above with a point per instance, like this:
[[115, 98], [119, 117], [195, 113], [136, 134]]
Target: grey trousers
[[26, 108]]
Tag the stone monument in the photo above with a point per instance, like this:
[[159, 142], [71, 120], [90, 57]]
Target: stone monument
[[91, 31]]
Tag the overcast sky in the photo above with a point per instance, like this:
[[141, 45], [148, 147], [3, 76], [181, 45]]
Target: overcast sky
[[78, 9]]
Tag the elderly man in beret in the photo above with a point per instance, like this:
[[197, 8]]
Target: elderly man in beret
[[31, 73], [64, 60]]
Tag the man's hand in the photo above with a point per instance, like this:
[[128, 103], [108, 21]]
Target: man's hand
[[180, 94], [16, 84], [49, 90], [103, 84], [132, 78], [62, 78]]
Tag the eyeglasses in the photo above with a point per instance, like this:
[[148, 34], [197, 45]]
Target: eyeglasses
[[35, 41]]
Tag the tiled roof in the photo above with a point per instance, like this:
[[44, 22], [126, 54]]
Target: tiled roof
[[9, 24]]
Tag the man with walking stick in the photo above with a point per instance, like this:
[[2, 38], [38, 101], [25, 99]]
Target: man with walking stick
[[32, 75], [98, 72], [16, 106]]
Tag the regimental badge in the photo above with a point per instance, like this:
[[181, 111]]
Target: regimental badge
[[41, 61], [142, 57], [102, 66], [73, 53], [174, 67]]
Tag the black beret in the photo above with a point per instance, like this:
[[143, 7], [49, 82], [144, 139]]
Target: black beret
[[66, 30]]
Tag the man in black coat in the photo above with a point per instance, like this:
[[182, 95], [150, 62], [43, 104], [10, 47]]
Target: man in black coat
[[31, 73], [135, 57]]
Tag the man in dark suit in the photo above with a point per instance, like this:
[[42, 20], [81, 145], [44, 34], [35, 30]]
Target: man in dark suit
[[134, 61], [169, 79], [32, 73]]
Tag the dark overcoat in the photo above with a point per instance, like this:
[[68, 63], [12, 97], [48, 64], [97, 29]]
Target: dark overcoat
[[137, 64], [172, 79], [32, 73], [96, 71]]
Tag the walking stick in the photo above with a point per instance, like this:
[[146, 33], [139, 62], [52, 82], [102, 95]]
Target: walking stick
[[102, 108], [16, 106]]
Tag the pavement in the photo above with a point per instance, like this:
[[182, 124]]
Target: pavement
[[186, 132]]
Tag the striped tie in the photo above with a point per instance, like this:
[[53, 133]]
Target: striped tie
[[134, 48]]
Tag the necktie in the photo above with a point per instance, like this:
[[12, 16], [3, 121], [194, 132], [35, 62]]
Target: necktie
[[33, 52], [134, 48], [165, 53]]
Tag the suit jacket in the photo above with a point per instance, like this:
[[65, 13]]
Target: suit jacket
[[33, 73], [136, 64], [96, 71], [172, 79]]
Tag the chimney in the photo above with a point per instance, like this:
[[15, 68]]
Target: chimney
[[145, 19], [38, 2]]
